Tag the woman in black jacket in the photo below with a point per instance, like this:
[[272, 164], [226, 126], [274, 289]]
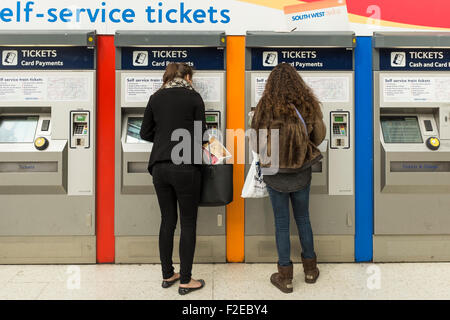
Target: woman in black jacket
[[173, 112]]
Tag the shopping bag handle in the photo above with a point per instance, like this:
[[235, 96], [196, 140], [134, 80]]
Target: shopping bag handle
[[209, 153], [301, 118]]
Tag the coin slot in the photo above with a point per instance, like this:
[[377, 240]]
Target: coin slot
[[428, 125]]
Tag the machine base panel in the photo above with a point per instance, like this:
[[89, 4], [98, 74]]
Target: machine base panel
[[48, 250], [411, 248], [145, 249], [329, 248]]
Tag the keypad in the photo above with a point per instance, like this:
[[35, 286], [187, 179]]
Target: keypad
[[336, 129], [339, 129], [79, 129]]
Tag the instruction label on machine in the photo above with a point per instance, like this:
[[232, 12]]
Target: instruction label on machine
[[48, 87], [327, 89], [208, 87], [415, 89], [139, 89]]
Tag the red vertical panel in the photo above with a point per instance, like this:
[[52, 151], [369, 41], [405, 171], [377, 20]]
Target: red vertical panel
[[105, 148]]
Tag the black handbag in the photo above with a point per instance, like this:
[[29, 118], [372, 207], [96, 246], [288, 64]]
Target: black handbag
[[217, 185]]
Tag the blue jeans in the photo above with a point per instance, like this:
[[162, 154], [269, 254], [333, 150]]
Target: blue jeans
[[300, 204]]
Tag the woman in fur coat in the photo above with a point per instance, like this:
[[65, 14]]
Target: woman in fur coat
[[290, 108]]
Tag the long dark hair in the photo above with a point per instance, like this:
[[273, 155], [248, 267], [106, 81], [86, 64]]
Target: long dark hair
[[177, 70], [285, 88]]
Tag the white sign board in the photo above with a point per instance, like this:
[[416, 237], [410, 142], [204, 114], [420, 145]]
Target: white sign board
[[45, 87], [318, 16], [326, 89], [140, 88], [208, 87], [415, 89]]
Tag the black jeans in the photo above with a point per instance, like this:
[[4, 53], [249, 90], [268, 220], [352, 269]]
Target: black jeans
[[177, 184]]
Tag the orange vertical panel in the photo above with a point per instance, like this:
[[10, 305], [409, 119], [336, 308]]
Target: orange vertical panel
[[235, 120], [105, 148]]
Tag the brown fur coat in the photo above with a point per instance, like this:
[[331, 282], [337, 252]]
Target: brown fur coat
[[297, 147]]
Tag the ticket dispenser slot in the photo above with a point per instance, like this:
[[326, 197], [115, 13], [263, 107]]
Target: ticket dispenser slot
[[80, 130], [135, 175], [24, 169], [340, 130], [409, 164]]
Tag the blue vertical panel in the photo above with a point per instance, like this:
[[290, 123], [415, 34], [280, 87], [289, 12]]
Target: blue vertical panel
[[364, 150]]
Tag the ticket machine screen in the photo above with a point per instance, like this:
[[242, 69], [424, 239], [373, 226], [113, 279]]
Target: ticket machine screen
[[18, 129], [401, 129], [134, 129]]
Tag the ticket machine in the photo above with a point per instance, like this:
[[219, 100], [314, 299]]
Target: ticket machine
[[411, 146], [141, 58], [325, 61], [47, 147]]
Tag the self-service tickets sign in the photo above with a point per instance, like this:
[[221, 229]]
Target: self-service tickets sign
[[235, 17], [318, 16]]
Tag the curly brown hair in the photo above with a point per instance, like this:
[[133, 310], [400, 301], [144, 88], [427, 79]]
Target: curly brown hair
[[285, 88]]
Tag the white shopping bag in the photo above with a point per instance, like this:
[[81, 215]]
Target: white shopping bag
[[254, 186]]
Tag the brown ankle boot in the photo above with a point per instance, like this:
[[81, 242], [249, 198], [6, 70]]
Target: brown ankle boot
[[283, 278], [310, 269]]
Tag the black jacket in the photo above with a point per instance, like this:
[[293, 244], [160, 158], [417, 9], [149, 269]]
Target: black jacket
[[168, 110]]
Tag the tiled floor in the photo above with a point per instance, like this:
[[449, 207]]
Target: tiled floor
[[226, 281]]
